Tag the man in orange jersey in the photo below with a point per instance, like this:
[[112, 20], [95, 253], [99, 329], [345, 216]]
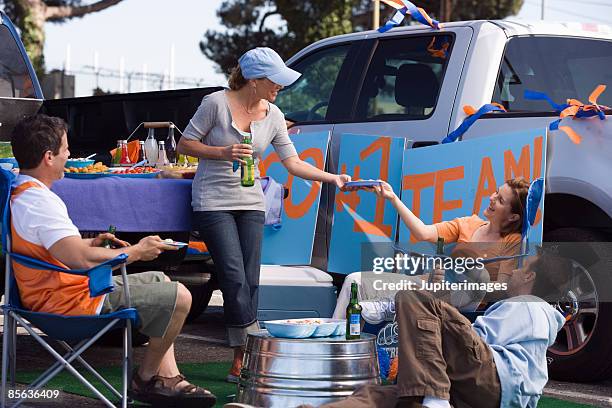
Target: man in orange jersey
[[42, 229]]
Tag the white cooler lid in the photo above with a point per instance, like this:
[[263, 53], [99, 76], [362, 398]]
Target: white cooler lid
[[278, 275]]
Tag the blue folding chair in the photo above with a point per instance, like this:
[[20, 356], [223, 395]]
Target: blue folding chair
[[82, 331]]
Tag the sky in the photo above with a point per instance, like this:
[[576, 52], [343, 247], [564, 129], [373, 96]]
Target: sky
[[144, 32]]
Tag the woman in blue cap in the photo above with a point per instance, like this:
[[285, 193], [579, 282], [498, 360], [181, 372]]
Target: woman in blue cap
[[229, 216]]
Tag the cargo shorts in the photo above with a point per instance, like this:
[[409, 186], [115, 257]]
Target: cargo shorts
[[151, 295]]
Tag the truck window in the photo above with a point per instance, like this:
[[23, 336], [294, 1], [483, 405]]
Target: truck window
[[404, 78], [307, 99], [15, 79], [561, 67]]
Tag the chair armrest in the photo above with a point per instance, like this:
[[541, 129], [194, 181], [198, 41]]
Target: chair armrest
[[100, 276]]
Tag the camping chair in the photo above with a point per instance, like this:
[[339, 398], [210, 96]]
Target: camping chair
[[66, 330]]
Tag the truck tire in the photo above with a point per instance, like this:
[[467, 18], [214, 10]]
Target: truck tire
[[582, 351]]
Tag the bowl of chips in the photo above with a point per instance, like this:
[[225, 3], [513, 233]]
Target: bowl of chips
[[291, 328], [78, 163]]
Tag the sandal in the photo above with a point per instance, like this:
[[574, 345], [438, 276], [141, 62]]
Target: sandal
[[163, 391]]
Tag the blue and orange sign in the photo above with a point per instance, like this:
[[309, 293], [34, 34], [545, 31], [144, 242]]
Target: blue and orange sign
[[452, 180], [292, 243], [361, 217]]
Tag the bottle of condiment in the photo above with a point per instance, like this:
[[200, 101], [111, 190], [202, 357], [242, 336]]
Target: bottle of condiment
[[117, 156], [162, 159], [171, 146], [107, 242], [151, 148], [247, 169], [141, 151], [353, 316], [125, 156]]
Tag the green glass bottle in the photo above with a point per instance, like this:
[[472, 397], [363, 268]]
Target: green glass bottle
[[247, 169], [107, 242], [440, 246], [439, 251], [353, 316]]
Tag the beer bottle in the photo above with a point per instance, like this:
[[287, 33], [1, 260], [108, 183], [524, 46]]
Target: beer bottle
[[440, 246], [247, 169], [353, 316], [439, 251], [107, 242]]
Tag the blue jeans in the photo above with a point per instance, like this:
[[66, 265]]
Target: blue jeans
[[234, 240]]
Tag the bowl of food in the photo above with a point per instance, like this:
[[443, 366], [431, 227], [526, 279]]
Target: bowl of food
[[325, 328], [291, 328], [78, 163]]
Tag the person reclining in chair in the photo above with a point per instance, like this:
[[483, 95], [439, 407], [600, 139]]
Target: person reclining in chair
[[498, 361], [42, 229], [498, 235]]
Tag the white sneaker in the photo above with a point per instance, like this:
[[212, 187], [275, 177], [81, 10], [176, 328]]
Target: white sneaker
[[378, 310]]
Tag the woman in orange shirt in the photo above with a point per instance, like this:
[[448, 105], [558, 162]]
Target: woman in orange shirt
[[498, 235]]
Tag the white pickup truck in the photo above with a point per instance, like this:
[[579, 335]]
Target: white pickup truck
[[401, 84], [412, 83]]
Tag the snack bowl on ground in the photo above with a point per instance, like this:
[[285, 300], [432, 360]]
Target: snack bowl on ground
[[325, 329], [78, 163], [290, 330], [340, 326]]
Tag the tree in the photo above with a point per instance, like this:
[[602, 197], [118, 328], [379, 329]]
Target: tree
[[30, 17], [299, 23]]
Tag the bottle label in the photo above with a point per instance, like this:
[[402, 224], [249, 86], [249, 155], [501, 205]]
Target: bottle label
[[354, 325]]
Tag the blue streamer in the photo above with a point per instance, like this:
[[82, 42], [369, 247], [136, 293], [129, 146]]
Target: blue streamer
[[541, 96], [414, 12], [469, 121]]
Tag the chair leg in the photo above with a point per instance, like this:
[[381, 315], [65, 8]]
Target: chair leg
[[127, 362], [5, 357], [13, 352]]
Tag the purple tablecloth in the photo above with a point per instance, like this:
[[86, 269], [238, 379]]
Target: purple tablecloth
[[131, 204]]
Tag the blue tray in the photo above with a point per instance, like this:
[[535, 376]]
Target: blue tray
[[85, 175], [362, 183]]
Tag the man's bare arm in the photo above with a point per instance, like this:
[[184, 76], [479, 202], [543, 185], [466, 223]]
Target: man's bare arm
[[77, 253]]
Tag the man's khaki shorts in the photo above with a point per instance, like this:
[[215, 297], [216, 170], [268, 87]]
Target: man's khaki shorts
[[153, 298]]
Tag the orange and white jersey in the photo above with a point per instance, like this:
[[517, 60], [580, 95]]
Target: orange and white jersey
[[39, 219]]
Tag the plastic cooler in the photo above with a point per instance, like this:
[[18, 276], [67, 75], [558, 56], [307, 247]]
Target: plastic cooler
[[291, 292]]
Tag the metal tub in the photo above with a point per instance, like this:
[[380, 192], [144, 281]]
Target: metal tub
[[285, 373]]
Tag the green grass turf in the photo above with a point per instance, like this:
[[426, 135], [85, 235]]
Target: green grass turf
[[208, 375]]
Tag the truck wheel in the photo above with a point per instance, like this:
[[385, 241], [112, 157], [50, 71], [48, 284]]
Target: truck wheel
[[582, 350], [200, 296]]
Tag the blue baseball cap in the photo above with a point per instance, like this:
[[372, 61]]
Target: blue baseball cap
[[263, 62]]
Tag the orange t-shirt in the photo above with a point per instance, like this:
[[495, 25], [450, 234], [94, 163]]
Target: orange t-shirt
[[39, 219], [461, 230]]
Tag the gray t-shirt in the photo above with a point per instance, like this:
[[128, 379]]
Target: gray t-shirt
[[216, 186]]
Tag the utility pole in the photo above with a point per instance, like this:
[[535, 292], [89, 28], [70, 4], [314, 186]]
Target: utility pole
[[543, 7], [376, 15]]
